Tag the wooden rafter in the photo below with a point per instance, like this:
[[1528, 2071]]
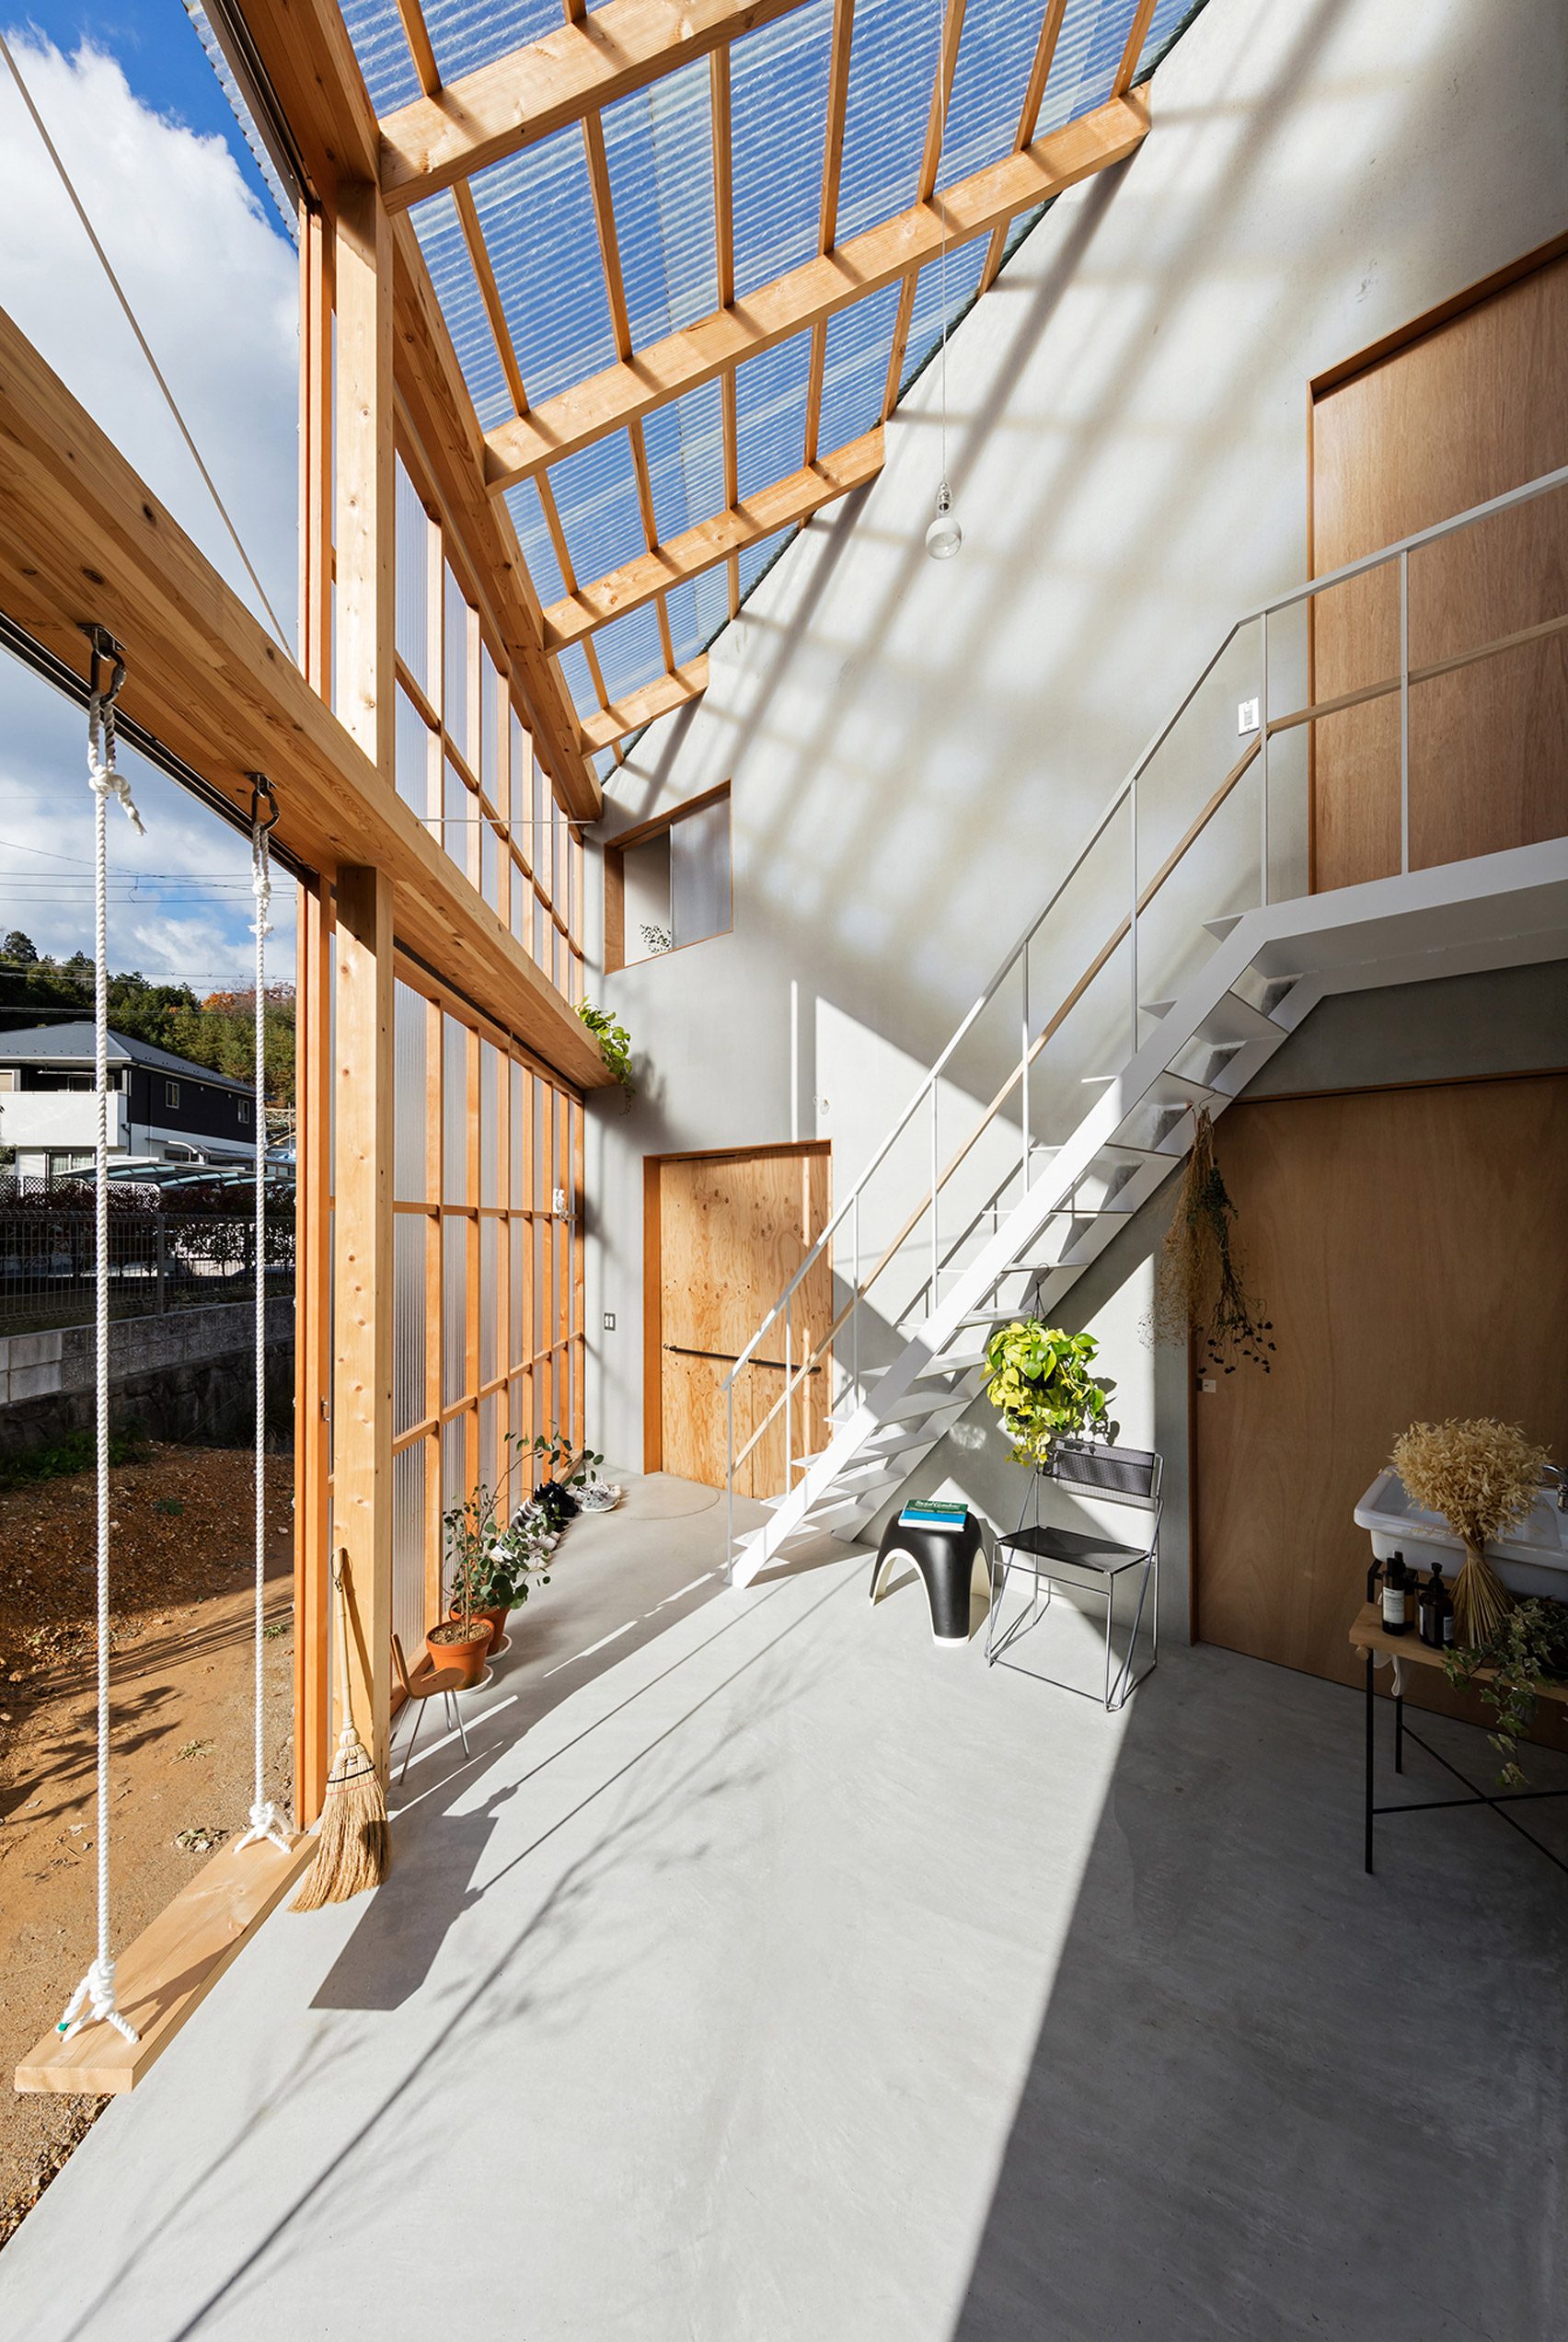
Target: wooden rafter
[[630, 715], [416, 33], [930, 161], [1029, 114], [883, 255], [783, 505], [1136, 35], [565, 78]]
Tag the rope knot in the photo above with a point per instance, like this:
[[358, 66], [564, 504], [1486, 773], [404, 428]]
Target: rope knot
[[267, 1822], [103, 779], [93, 2003]]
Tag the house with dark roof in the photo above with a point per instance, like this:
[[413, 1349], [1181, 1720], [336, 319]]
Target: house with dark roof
[[162, 1108]]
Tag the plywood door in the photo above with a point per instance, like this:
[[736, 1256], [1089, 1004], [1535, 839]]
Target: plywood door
[[732, 1230], [1412, 1249], [1467, 411]]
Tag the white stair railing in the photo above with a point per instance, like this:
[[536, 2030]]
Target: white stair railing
[[925, 1234]]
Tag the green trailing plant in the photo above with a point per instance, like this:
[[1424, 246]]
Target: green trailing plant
[[614, 1043], [1200, 1285], [1038, 1379], [1527, 1648]]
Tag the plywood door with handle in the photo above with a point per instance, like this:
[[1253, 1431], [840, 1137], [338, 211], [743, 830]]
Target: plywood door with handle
[[733, 1230]]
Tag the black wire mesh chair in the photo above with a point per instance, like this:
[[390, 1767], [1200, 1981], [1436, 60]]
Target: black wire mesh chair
[[1090, 1564]]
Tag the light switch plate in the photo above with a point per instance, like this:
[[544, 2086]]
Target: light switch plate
[[1246, 716], [609, 1320]]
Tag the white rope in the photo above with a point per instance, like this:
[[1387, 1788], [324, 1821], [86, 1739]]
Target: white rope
[[266, 1821], [93, 2001]]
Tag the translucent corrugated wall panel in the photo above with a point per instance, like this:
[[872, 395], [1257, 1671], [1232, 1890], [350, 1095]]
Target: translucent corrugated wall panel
[[489, 1169], [409, 1236], [411, 751], [492, 712], [778, 122], [456, 709], [658, 143], [699, 873], [453, 1308], [489, 1463], [408, 1620], [458, 808], [411, 542], [453, 1112], [517, 1344], [410, 1107], [455, 1484], [515, 1093], [489, 862]]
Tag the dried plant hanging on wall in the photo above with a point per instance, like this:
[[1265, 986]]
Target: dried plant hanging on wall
[[1200, 1285]]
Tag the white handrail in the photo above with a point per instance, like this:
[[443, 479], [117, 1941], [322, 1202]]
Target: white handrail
[[1398, 551]]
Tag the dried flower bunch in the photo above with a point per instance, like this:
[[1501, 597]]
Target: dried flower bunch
[[1199, 1283], [1483, 1476]]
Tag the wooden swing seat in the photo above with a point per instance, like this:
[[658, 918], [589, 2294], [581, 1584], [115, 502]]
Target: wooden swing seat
[[169, 1971]]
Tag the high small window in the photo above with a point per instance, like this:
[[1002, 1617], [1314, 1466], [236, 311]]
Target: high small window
[[669, 881], [245, 1110], [172, 1093]]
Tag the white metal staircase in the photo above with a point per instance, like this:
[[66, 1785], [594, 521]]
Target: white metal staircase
[[1008, 1221]]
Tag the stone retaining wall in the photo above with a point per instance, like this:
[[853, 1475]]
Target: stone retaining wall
[[187, 1375]]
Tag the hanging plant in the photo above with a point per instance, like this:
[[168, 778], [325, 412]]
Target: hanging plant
[[614, 1043], [1526, 1649], [1200, 1285], [1038, 1379], [1482, 1476]]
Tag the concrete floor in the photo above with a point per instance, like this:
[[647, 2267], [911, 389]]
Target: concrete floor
[[770, 1976]]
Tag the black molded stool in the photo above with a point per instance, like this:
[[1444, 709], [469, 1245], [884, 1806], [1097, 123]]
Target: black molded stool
[[945, 1559]]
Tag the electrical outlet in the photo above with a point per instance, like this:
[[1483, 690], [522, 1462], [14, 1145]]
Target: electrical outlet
[[1246, 716], [609, 1320]]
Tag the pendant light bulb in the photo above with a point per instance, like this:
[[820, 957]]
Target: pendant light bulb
[[944, 537]]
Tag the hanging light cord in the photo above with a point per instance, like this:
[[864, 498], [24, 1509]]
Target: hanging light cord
[[119, 292]]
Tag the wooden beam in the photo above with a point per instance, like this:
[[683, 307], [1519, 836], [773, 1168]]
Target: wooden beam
[[784, 505], [883, 255], [566, 77], [317, 306], [670, 691], [313, 1355], [80, 536], [364, 693], [827, 214], [362, 1292], [1138, 33], [167, 1972]]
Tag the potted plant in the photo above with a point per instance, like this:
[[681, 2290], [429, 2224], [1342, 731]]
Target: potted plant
[[1526, 1649], [1482, 1476], [463, 1641], [1039, 1380]]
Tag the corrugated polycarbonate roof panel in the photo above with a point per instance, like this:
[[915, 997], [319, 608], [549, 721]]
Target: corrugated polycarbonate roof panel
[[685, 459], [596, 493], [534, 535], [996, 50], [893, 64], [579, 682], [758, 558], [1094, 33], [466, 34], [536, 212], [777, 129], [659, 142], [854, 378], [770, 414], [446, 256], [963, 267], [699, 608], [630, 653], [382, 47]]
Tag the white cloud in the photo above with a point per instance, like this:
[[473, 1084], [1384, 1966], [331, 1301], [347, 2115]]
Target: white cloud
[[213, 285], [214, 288]]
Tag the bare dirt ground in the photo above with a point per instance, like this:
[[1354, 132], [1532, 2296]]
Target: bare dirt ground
[[182, 1674]]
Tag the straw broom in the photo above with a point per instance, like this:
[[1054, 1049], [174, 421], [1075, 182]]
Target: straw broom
[[354, 1847]]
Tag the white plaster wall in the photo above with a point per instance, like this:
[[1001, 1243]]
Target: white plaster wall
[[917, 748]]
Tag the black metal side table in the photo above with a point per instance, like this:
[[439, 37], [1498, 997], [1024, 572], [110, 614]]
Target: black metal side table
[[945, 1559], [1369, 1635]]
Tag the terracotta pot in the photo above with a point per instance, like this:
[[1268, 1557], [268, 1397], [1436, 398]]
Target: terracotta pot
[[450, 1652], [494, 1619]]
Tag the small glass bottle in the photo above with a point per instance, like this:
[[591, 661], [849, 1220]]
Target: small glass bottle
[[1395, 1609], [1435, 1613]]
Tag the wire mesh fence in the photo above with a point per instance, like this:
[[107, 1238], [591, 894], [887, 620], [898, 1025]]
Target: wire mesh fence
[[160, 1258]]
